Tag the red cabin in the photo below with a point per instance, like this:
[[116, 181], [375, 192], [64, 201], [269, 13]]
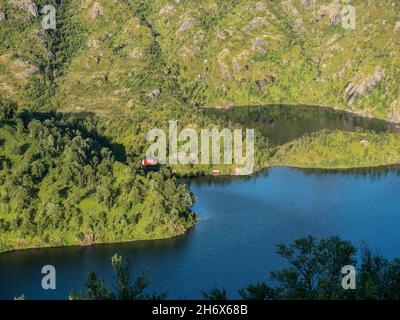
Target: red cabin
[[149, 162]]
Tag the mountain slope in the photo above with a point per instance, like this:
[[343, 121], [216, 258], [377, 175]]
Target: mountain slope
[[114, 54]]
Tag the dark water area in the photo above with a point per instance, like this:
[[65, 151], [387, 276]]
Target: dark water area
[[233, 244], [284, 123]]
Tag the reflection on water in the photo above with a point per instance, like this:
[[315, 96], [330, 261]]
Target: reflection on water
[[233, 244], [283, 123], [22, 268], [372, 172]]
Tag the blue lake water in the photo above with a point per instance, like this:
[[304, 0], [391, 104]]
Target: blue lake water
[[234, 243]]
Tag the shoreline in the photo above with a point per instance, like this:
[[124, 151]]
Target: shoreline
[[259, 171], [94, 244]]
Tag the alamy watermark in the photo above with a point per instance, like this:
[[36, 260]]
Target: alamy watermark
[[49, 18], [348, 17], [49, 280], [192, 147], [349, 280]]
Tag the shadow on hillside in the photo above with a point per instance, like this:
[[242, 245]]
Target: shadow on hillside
[[85, 122]]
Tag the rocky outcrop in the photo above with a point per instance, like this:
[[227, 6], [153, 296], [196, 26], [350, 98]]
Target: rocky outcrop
[[259, 45], [7, 88], [261, 83], [186, 25], [290, 8], [333, 11], [93, 43], [25, 69], [88, 239], [335, 20], [397, 27], [394, 112], [96, 11], [354, 90], [136, 54], [261, 6], [307, 3], [27, 5], [154, 94], [167, 9], [255, 24], [236, 66], [222, 65], [3, 16]]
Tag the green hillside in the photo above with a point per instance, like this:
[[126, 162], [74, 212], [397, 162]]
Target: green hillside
[[64, 184], [77, 101], [107, 55]]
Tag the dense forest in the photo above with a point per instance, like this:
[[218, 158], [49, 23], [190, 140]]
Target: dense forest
[[62, 183]]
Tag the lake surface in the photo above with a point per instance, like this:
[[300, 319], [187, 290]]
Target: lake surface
[[284, 123], [233, 244]]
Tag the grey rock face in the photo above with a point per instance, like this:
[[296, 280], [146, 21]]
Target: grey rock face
[[167, 9], [261, 6], [333, 11], [186, 25], [259, 45], [261, 83], [352, 90], [154, 94], [235, 66], [255, 24], [308, 3], [3, 16], [394, 113], [222, 65], [27, 5], [96, 11], [335, 20], [136, 54], [27, 67], [397, 27]]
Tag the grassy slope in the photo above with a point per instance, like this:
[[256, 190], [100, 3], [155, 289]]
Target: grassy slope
[[132, 49], [312, 64], [197, 54], [340, 150]]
